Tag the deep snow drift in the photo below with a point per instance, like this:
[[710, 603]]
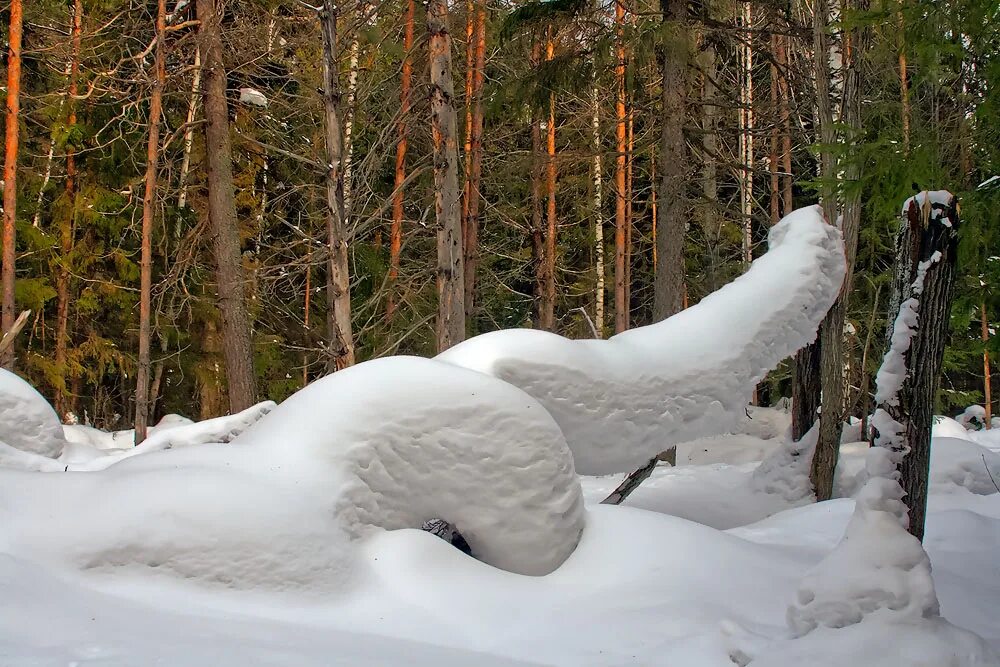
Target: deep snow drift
[[621, 401], [261, 583]]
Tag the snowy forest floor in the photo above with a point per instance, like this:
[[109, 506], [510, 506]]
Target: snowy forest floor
[[697, 570]]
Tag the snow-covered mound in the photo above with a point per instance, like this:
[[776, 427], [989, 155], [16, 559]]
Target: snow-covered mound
[[963, 463], [946, 427], [208, 516], [402, 440], [27, 421], [621, 401]]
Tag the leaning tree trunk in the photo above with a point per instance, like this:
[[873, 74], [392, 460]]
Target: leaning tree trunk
[[338, 283], [237, 348], [447, 209], [142, 402], [10, 172], [907, 382], [668, 286]]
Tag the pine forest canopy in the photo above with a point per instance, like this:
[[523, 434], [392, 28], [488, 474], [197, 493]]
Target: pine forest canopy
[[211, 201]]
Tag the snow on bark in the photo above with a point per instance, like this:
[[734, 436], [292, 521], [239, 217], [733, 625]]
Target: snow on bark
[[621, 401], [878, 565], [785, 471]]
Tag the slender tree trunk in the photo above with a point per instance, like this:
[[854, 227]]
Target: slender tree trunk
[[621, 145], [396, 231], [537, 218], [50, 158], [10, 173], [598, 194], [548, 320], [832, 407], [987, 394], [236, 335], [710, 148], [447, 207], [746, 131], [807, 386], [189, 138], [926, 254], [338, 281], [470, 228], [306, 308], [668, 292], [352, 98], [142, 403], [772, 157], [67, 223], [904, 85], [629, 197], [786, 124]]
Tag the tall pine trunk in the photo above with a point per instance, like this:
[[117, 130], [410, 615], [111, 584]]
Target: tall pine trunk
[[668, 288], [236, 335], [474, 148], [621, 146], [548, 319], [338, 281], [447, 207], [396, 231], [10, 172], [142, 402], [67, 222]]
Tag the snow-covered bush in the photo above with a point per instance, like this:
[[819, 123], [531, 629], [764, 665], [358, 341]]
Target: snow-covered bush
[[621, 401]]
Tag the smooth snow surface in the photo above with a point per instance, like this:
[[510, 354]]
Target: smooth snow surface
[[621, 401], [27, 421], [402, 440]]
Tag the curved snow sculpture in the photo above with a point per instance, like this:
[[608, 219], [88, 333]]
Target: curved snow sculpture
[[410, 439], [621, 401], [27, 421]]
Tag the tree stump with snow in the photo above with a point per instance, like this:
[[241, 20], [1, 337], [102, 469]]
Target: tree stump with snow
[[920, 306]]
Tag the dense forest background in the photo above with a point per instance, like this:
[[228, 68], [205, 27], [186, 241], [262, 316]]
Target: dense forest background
[[604, 150]]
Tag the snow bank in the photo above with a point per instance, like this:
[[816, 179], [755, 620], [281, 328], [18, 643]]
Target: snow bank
[[621, 401], [207, 516], [876, 643], [965, 464], [27, 421], [876, 567], [946, 427], [402, 440]]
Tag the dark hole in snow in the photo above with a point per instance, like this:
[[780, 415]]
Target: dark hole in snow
[[448, 533]]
